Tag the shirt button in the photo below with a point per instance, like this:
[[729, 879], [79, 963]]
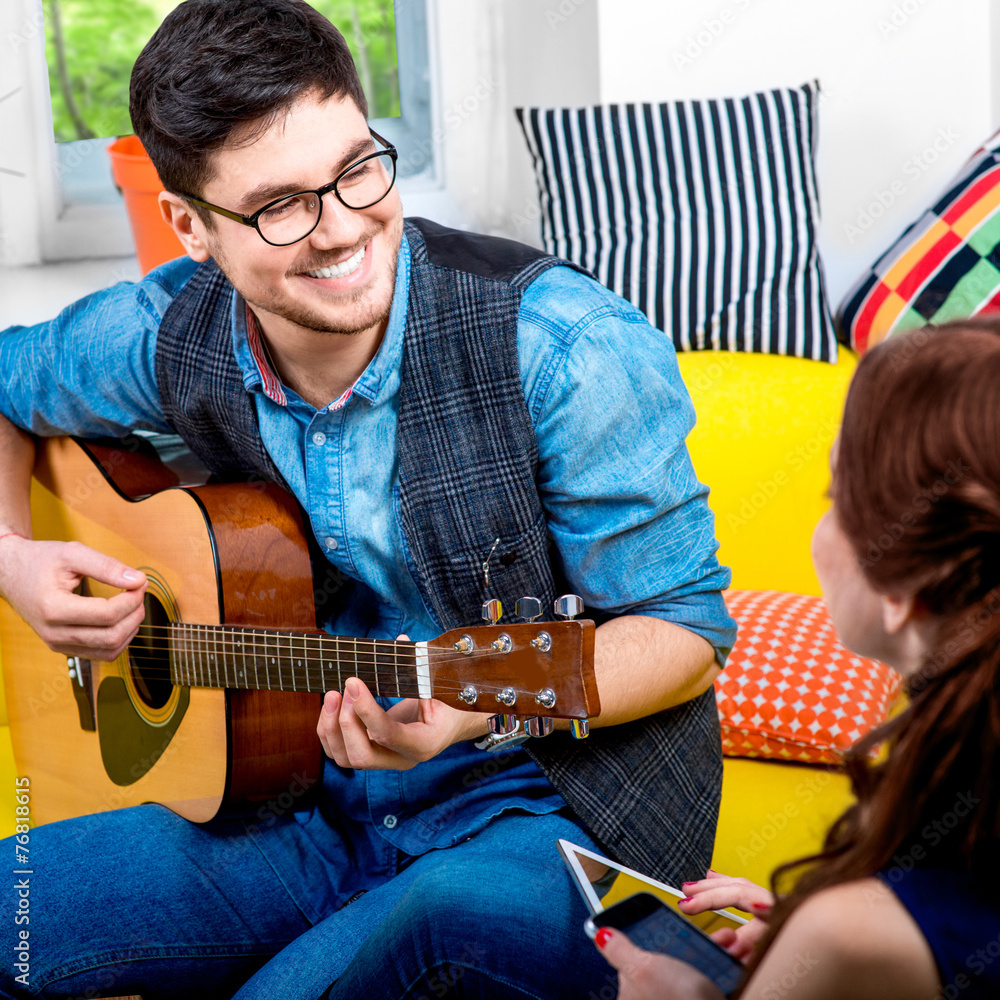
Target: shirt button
[[319, 439], [389, 821], [331, 542]]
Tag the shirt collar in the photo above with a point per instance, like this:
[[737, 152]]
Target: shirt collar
[[378, 380]]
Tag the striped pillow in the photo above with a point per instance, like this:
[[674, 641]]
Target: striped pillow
[[945, 266], [701, 213]]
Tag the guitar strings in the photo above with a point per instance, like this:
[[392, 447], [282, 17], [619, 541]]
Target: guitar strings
[[365, 669], [441, 688], [236, 639], [367, 662]]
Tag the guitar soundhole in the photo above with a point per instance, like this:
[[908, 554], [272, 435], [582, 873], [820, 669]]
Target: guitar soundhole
[[149, 656]]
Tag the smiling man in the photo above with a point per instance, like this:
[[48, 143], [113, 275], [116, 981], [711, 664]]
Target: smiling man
[[429, 397]]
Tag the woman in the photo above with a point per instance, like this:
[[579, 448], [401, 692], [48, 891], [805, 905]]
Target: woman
[[903, 902]]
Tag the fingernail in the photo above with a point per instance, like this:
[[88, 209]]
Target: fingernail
[[130, 575], [351, 691], [602, 937], [328, 705], [760, 906], [684, 885], [686, 899]]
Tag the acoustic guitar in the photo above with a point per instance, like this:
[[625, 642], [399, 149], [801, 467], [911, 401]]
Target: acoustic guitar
[[213, 707]]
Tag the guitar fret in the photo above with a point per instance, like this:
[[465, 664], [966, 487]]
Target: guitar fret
[[299, 662], [395, 665], [207, 678], [200, 637], [216, 657], [199, 665]]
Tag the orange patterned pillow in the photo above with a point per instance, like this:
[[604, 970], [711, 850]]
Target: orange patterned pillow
[[790, 690]]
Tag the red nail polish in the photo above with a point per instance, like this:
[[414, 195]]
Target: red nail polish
[[602, 937], [761, 907], [684, 885], [686, 899]]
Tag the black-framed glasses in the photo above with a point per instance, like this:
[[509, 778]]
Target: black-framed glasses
[[291, 218]]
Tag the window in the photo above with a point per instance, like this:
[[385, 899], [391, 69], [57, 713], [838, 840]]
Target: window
[[79, 94]]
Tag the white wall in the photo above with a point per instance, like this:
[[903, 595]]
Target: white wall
[[900, 78], [908, 93]]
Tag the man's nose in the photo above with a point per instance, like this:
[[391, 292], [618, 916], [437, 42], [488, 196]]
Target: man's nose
[[339, 226]]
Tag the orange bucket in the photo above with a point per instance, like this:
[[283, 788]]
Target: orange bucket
[[135, 175]]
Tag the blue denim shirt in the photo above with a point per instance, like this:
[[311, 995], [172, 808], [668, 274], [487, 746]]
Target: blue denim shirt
[[626, 512]]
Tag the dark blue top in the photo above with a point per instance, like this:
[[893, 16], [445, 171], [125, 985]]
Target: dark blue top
[[961, 924]]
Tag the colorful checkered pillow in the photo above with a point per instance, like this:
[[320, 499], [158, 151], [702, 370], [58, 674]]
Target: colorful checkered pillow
[[702, 214], [945, 266], [790, 690]]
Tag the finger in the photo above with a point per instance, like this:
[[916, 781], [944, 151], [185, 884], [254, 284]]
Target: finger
[[377, 724], [619, 952], [85, 561], [713, 880], [328, 729], [104, 644], [402, 638], [361, 751], [742, 896], [64, 608], [724, 936]]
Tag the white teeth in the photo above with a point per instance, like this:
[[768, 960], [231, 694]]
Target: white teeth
[[340, 270]]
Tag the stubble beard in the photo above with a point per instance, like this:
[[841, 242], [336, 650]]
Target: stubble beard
[[356, 320]]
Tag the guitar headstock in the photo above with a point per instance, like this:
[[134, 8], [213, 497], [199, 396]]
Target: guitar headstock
[[532, 669]]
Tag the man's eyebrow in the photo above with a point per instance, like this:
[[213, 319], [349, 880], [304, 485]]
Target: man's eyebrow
[[268, 191]]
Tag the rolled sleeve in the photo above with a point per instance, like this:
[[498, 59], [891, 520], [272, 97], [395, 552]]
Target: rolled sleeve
[[626, 511], [91, 370]]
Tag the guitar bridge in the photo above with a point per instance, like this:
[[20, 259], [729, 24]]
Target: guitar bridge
[[81, 679]]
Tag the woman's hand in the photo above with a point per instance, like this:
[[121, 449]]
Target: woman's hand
[[716, 892], [643, 975]]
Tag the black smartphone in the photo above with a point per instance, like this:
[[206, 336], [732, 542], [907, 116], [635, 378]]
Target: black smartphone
[[649, 923]]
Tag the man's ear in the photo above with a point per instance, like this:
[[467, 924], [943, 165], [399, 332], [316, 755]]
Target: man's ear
[[190, 230], [897, 610]]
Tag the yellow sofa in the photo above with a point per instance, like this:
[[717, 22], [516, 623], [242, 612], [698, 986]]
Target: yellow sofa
[[765, 425], [762, 442]]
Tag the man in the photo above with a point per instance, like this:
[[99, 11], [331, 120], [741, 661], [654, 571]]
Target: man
[[422, 393]]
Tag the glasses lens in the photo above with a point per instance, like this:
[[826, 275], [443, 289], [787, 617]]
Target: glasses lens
[[368, 181], [289, 220]]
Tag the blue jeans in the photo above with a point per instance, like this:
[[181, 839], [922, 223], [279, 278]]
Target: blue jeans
[[141, 901]]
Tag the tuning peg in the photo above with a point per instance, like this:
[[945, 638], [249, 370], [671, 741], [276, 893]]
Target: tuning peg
[[528, 608], [502, 724], [580, 728], [568, 606], [492, 611], [538, 725]]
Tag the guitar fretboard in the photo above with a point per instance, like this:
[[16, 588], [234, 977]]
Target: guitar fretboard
[[225, 656]]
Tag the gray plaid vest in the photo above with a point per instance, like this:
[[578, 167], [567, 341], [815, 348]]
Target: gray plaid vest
[[648, 790]]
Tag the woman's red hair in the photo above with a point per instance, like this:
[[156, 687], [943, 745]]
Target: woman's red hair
[[916, 490]]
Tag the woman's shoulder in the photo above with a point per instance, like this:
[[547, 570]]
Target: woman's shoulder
[[854, 942]]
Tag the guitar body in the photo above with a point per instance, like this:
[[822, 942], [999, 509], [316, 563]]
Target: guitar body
[[109, 735]]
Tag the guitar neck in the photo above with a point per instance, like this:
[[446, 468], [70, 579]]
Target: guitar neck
[[222, 656]]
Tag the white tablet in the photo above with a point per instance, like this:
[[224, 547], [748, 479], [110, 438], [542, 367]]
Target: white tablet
[[592, 871]]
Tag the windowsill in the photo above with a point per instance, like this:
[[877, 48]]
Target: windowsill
[[38, 293]]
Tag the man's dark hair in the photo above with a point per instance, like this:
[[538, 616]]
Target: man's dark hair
[[219, 71]]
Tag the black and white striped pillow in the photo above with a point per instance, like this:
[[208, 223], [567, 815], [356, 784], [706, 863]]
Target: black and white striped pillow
[[701, 213]]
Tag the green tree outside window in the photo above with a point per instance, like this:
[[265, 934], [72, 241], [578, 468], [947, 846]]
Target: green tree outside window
[[91, 46]]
